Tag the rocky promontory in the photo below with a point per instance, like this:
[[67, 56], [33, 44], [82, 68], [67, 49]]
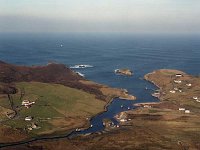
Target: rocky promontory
[[124, 71]]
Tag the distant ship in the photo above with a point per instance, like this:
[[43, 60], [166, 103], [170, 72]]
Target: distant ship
[[81, 66]]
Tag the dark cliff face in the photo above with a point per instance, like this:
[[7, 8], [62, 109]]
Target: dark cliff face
[[51, 73]]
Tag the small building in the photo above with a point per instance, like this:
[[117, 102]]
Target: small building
[[28, 118], [177, 81], [147, 106], [123, 120], [25, 102], [156, 94], [187, 111], [34, 126], [176, 89], [29, 128], [172, 91], [77, 129], [181, 109], [179, 75], [189, 84], [195, 97]]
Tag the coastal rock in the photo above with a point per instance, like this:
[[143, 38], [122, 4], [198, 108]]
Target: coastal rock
[[124, 71]]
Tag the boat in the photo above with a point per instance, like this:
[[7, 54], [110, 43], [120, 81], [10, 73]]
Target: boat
[[81, 66]]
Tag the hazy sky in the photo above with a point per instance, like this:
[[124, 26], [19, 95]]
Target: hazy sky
[[100, 16]]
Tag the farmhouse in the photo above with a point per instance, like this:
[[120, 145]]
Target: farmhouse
[[177, 81], [179, 75], [28, 118], [187, 111], [172, 91], [189, 84], [27, 103], [181, 109]]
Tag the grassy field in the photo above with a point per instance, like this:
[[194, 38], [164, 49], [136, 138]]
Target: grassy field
[[53, 104]]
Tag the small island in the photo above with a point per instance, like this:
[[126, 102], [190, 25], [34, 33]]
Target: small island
[[124, 71]]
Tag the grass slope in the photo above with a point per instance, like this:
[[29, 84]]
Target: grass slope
[[56, 107]]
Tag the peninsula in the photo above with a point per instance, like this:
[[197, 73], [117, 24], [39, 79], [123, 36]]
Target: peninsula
[[48, 100], [171, 123]]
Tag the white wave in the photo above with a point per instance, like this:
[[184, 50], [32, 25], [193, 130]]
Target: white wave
[[80, 66], [116, 70], [80, 74]]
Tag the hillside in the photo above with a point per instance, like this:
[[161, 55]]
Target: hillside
[[47, 101]]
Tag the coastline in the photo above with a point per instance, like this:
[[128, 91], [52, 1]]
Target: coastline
[[102, 92]]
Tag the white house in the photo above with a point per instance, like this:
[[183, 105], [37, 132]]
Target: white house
[[187, 111], [179, 75], [147, 106], [123, 120], [176, 89], [181, 109], [189, 84], [25, 102], [177, 81], [195, 97], [28, 118], [172, 91]]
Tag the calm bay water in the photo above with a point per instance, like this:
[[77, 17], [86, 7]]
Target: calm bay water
[[106, 52]]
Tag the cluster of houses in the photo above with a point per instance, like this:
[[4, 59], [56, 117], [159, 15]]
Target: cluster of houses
[[185, 110], [27, 104], [176, 89], [177, 81], [122, 117], [147, 106], [33, 125]]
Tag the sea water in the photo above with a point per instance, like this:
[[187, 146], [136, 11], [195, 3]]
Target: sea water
[[107, 52]]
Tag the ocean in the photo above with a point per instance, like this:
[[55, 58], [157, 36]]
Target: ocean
[[107, 52]]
